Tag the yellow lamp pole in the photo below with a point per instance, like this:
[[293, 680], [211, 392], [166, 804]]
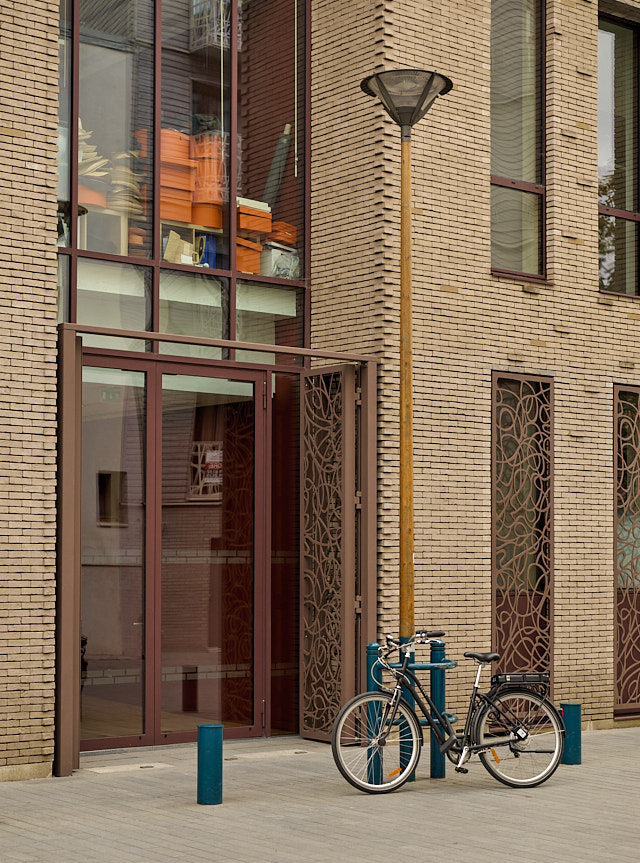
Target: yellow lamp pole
[[406, 399], [407, 95]]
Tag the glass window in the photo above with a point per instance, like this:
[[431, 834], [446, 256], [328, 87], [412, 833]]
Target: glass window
[[114, 127], [116, 296], [516, 137], [270, 181], [193, 305], [516, 223], [617, 158], [64, 124], [268, 315], [195, 134], [190, 140]]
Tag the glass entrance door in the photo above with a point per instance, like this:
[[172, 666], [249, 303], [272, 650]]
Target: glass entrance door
[[207, 555], [173, 565]]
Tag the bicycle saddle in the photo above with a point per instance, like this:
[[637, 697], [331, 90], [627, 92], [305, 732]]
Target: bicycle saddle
[[482, 657]]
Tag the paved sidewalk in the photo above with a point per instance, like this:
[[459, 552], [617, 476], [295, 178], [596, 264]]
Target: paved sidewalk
[[284, 802]]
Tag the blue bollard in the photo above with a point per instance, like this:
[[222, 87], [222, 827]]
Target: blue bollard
[[572, 715], [210, 764], [438, 762]]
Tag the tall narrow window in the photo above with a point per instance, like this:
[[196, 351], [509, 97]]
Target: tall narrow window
[[517, 190], [618, 157], [522, 522]]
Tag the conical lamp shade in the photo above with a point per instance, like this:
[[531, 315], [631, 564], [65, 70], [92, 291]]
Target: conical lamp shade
[[406, 94]]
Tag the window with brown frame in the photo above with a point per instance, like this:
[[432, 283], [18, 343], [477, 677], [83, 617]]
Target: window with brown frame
[[618, 157], [517, 138]]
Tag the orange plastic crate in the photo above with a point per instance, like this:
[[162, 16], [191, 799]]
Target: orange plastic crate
[[207, 215], [178, 175], [175, 211], [248, 255], [174, 145], [252, 221], [283, 232]]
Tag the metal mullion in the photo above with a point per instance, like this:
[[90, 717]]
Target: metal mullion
[[520, 185], [261, 557], [154, 149], [233, 171], [153, 548], [306, 334], [618, 214]]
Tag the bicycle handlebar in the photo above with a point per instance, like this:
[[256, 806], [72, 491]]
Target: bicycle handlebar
[[422, 636]]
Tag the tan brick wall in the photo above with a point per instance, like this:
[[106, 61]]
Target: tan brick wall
[[28, 79], [468, 323]]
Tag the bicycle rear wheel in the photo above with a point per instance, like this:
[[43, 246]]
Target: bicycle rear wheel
[[375, 749], [526, 736]]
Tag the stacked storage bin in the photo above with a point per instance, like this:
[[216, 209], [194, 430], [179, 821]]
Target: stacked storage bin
[[254, 223], [177, 176]]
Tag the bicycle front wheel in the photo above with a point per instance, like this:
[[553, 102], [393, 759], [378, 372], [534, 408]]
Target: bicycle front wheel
[[376, 748], [526, 737]]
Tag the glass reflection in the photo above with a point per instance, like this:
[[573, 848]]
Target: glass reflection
[[270, 315], [64, 116], [116, 296], [115, 116], [194, 144], [208, 440], [271, 101], [516, 219], [617, 254], [113, 509], [617, 120], [516, 140], [193, 305]]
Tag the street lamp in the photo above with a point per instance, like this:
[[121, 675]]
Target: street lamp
[[406, 95]]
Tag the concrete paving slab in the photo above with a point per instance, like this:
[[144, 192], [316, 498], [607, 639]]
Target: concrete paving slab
[[285, 802]]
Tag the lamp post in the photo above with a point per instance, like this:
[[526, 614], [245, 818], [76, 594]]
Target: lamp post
[[406, 95]]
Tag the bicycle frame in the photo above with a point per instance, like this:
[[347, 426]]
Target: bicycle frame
[[406, 679]]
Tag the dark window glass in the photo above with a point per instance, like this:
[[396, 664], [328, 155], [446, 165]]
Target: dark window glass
[[270, 182], [114, 127], [617, 158], [516, 223], [64, 124], [617, 120], [195, 134], [517, 204], [516, 134]]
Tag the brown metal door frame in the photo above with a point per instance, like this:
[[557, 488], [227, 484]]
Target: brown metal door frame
[[152, 733]]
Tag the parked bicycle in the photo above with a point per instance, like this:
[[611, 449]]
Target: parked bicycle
[[514, 728]]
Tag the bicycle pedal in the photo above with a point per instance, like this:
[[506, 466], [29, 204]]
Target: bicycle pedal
[[461, 770]]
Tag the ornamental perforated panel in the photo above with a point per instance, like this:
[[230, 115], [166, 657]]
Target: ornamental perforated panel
[[627, 551], [328, 624], [522, 522]]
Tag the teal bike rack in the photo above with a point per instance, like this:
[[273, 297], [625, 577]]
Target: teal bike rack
[[437, 667]]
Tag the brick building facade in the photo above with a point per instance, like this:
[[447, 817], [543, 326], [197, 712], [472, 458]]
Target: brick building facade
[[479, 334]]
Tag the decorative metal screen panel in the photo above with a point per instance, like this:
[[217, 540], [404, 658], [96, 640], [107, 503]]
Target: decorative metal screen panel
[[328, 548], [627, 552], [522, 522]]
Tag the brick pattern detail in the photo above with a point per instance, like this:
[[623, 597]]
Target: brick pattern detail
[[28, 78], [468, 323]]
